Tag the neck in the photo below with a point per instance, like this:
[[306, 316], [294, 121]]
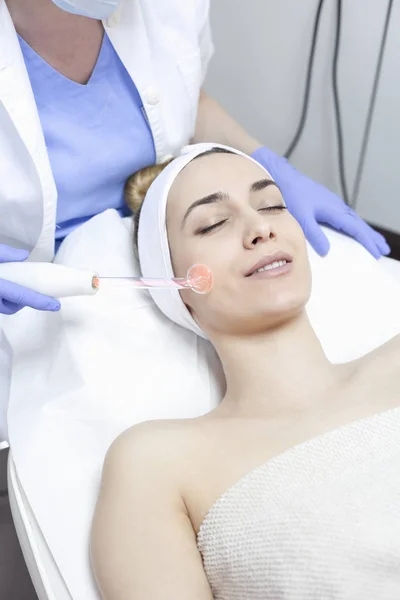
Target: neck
[[279, 371], [69, 43], [42, 17]]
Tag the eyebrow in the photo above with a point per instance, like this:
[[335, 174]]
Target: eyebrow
[[210, 199], [257, 186]]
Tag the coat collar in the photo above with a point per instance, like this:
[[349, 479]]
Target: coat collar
[[6, 34]]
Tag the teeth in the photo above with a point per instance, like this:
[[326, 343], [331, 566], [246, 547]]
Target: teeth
[[274, 265]]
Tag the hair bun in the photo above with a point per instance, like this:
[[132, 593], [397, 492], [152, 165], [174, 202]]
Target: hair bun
[[138, 184]]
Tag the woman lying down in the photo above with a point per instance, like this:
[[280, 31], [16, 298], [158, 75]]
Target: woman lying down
[[290, 489]]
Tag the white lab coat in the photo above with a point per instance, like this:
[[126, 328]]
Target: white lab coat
[[165, 47]]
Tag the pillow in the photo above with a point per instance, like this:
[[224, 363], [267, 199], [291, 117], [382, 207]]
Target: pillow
[[103, 363], [355, 303]]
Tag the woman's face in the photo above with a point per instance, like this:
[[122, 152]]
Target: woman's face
[[223, 211]]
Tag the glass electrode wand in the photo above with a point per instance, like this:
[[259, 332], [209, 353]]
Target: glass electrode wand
[[59, 281], [198, 278]]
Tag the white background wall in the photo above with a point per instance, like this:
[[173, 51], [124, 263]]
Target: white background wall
[[258, 74]]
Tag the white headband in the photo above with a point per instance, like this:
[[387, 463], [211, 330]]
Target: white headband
[[154, 254]]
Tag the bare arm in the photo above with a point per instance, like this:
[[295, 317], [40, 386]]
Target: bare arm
[[143, 545], [214, 124]]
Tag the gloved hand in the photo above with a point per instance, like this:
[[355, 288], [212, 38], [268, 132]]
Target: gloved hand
[[13, 297], [311, 203]]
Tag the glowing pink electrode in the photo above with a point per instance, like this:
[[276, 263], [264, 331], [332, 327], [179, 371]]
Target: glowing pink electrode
[[199, 278]]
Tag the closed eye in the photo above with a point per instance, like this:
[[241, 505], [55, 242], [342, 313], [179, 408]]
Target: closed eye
[[210, 228], [272, 208], [206, 230]]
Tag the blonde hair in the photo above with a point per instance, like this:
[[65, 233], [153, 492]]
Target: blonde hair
[[136, 189], [138, 184]]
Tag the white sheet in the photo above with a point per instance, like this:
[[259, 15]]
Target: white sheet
[[84, 375], [391, 267]]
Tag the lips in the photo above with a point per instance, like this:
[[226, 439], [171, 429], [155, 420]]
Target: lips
[[269, 260]]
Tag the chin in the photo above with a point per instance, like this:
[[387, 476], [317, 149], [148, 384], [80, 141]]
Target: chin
[[283, 311], [254, 315], [286, 301]]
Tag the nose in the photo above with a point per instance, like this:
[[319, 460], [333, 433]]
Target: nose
[[259, 230]]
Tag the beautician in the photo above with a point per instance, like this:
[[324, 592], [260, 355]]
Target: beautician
[[90, 92]]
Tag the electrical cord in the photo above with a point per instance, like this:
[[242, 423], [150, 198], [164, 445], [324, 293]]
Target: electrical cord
[[367, 129], [371, 108], [336, 102], [338, 117], [306, 98]]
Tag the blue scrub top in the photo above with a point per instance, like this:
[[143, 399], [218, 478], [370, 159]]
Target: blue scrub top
[[96, 135]]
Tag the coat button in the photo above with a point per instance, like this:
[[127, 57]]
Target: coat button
[[113, 21], [152, 96]]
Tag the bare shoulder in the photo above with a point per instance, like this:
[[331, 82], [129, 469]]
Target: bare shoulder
[[379, 372], [170, 435], [143, 544], [386, 357], [156, 447]]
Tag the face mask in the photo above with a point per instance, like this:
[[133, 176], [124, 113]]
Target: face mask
[[95, 9]]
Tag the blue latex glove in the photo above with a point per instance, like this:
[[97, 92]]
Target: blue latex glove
[[311, 203], [15, 297]]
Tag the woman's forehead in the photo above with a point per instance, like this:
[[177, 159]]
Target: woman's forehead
[[213, 173]]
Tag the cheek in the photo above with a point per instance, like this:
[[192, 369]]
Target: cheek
[[297, 243], [181, 256], [303, 273], [192, 252], [210, 308]]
